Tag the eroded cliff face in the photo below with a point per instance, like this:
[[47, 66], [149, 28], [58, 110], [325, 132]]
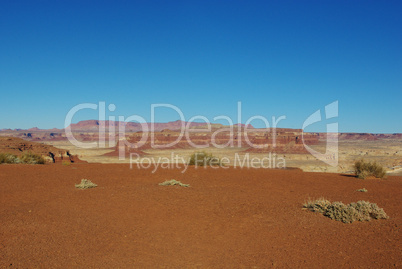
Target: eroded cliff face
[[18, 146], [281, 141]]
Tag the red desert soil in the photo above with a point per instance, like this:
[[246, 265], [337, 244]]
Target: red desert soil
[[228, 218]]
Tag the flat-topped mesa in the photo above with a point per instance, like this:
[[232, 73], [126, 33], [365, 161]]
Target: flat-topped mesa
[[255, 141], [95, 125]]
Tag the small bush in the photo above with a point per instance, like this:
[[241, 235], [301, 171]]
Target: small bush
[[369, 209], [360, 211], [320, 205], [345, 213], [32, 158], [173, 182], [85, 184], [66, 163], [362, 190], [365, 169], [9, 158], [203, 159]]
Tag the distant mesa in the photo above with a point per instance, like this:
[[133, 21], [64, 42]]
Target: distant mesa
[[92, 125], [286, 140], [33, 129]]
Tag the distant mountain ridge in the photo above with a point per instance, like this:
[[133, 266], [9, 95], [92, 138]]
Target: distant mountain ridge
[[279, 140], [135, 126], [94, 125]]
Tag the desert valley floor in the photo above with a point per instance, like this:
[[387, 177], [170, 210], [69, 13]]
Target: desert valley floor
[[227, 218]]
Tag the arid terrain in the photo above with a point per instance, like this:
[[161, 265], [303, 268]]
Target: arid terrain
[[283, 144], [227, 218], [200, 134]]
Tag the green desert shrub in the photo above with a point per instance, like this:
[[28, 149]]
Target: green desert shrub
[[9, 158], [173, 182], [32, 158], [360, 211], [203, 159], [365, 169], [85, 184]]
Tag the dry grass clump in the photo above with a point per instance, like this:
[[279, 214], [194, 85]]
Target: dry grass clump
[[203, 159], [173, 182], [362, 190], [365, 169], [85, 184], [28, 158], [32, 158], [320, 205], [9, 158], [360, 211]]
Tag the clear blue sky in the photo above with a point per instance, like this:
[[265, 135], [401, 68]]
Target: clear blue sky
[[277, 57]]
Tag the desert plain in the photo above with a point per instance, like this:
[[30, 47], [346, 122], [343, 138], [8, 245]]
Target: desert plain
[[228, 217]]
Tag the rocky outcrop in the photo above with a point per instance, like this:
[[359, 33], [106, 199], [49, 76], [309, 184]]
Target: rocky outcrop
[[18, 146]]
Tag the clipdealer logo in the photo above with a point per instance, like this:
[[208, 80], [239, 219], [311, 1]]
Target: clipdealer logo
[[110, 132]]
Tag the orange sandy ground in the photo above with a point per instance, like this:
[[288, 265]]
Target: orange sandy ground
[[228, 218]]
